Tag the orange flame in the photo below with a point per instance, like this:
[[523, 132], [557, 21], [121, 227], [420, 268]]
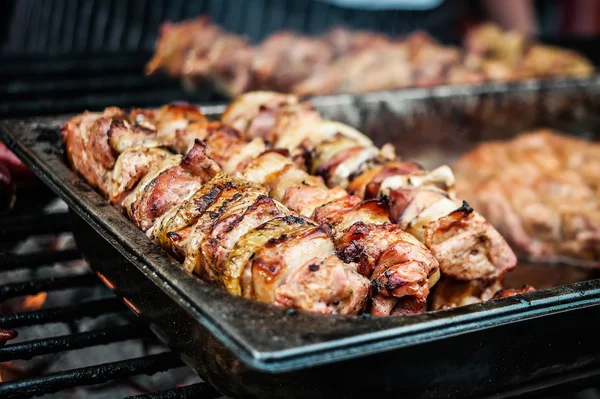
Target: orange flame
[[34, 302]]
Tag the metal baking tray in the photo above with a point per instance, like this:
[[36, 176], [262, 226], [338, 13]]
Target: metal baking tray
[[247, 349]]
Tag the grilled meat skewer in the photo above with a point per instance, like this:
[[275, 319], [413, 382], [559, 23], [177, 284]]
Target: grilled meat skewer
[[398, 265], [294, 263], [175, 178], [423, 203], [352, 62]]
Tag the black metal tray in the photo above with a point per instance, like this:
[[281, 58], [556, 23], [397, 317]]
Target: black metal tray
[[248, 349]]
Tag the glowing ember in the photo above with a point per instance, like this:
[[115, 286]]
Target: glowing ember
[[34, 302]]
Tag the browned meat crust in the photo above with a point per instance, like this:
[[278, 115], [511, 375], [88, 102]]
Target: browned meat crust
[[421, 202]]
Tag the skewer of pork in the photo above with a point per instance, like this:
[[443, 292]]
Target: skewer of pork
[[241, 239], [421, 202], [401, 269]]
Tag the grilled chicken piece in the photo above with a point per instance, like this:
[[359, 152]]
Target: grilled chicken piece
[[541, 191]]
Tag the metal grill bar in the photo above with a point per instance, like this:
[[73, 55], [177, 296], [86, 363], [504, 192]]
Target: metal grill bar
[[36, 259], [200, 390], [62, 314], [97, 101], [29, 349], [89, 376], [41, 67], [51, 284], [15, 228]]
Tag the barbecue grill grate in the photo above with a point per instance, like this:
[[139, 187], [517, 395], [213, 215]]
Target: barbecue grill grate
[[85, 26], [48, 85], [37, 224]]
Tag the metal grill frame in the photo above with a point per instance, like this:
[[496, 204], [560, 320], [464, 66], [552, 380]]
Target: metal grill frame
[[25, 225], [244, 347]]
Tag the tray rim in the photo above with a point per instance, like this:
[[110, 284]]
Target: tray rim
[[391, 333]]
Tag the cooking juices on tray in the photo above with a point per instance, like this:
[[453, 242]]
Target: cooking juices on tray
[[352, 62], [274, 232]]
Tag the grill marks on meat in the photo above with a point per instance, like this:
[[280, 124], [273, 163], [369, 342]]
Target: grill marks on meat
[[394, 275], [225, 229], [352, 62], [541, 190]]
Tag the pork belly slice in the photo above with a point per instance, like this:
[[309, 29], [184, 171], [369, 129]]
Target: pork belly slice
[[305, 199], [278, 278], [327, 286], [175, 228], [240, 114], [217, 239], [344, 212], [239, 158], [336, 158], [131, 166], [223, 141], [237, 267], [468, 247], [87, 148], [168, 185], [229, 227], [315, 131], [465, 244], [290, 176], [400, 268], [176, 126], [235, 193], [265, 165], [367, 184]]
